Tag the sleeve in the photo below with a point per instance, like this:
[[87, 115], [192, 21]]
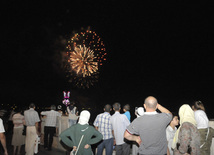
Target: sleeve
[[43, 113], [184, 136], [37, 119], [97, 137], [197, 117], [1, 126], [133, 128], [65, 137], [96, 122]]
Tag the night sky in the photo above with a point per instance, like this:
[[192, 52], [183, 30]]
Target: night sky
[[154, 48]]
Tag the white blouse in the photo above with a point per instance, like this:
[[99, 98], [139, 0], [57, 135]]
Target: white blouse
[[201, 119]]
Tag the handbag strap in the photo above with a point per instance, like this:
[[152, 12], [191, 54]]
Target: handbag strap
[[79, 144]]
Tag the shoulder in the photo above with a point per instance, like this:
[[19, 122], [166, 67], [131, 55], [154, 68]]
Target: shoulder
[[168, 128], [199, 112], [168, 116], [101, 114], [187, 125]]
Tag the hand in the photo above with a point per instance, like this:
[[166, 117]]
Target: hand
[[114, 142], [74, 148], [38, 133], [138, 140], [5, 153], [87, 146]]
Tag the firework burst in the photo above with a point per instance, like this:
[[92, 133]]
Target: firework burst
[[82, 61]]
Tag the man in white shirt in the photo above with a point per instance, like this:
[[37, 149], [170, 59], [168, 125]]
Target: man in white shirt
[[119, 124], [2, 137], [50, 126]]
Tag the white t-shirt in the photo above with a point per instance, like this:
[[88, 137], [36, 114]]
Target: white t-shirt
[[201, 119], [170, 133], [1, 126]]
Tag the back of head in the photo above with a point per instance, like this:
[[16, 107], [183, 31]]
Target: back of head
[[107, 108], [198, 105], [186, 114], [18, 110], [126, 107], [151, 102], [140, 111], [53, 107], [84, 117], [32, 105], [116, 106]]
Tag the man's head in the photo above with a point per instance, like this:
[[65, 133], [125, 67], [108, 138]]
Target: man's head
[[32, 105], [107, 108], [116, 106], [53, 107], [126, 107], [150, 104]]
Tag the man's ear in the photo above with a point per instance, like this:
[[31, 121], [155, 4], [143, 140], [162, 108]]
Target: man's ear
[[156, 106], [144, 106]]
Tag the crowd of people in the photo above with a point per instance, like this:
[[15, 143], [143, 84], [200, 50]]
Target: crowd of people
[[154, 130]]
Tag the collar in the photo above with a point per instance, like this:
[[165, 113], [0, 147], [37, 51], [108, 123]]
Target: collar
[[171, 129], [106, 113], [31, 109], [151, 113]]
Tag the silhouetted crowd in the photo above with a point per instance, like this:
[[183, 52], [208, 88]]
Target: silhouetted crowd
[[154, 130]]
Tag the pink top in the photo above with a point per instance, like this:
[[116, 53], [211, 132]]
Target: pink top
[[18, 120]]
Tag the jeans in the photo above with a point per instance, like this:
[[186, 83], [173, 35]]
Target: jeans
[[107, 144]]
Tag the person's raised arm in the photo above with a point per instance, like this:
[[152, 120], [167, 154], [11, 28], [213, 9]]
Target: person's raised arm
[[162, 109]]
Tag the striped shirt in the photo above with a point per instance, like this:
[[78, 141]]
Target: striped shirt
[[102, 121], [51, 118], [31, 117], [18, 120]]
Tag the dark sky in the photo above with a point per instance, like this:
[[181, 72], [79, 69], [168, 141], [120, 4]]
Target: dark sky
[[154, 48]]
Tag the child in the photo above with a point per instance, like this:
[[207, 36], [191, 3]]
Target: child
[[170, 133], [126, 109]]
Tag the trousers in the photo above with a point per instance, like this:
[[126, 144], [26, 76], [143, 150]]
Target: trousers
[[30, 140], [123, 149], [48, 137], [107, 144]]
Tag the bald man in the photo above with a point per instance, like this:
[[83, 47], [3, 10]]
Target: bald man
[[149, 130]]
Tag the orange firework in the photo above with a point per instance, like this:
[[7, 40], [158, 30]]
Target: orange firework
[[82, 61]]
